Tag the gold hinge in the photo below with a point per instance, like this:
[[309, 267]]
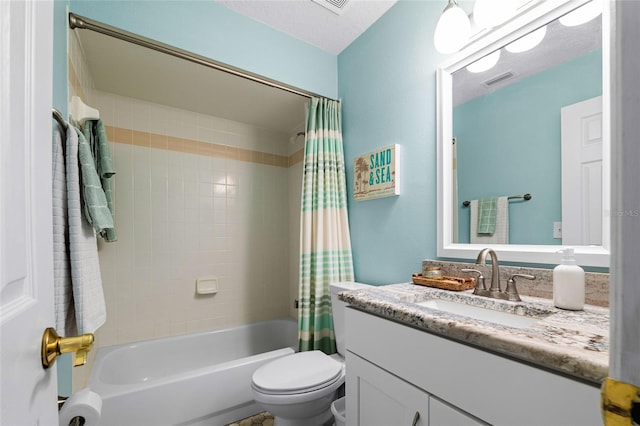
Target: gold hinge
[[618, 399]]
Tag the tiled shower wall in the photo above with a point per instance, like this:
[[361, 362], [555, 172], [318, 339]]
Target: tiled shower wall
[[195, 196]]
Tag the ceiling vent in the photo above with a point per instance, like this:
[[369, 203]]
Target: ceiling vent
[[499, 78], [336, 6]]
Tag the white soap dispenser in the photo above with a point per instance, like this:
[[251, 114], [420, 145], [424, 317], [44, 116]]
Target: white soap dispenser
[[568, 283]]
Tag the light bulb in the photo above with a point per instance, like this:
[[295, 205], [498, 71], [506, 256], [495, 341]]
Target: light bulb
[[581, 15], [484, 64], [491, 13], [452, 30], [527, 42]]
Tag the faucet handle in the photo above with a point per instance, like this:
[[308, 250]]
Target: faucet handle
[[512, 291], [480, 285]]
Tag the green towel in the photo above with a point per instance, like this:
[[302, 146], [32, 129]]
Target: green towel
[[94, 201], [487, 209], [96, 135]]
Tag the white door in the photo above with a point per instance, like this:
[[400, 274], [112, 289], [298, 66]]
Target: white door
[[582, 173], [27, 391]]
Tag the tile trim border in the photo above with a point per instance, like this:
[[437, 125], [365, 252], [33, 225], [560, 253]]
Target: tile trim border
[[190, 146]]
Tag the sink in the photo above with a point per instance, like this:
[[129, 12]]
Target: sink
[[479, 313]]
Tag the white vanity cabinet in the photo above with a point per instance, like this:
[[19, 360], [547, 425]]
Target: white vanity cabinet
[[394, 371]]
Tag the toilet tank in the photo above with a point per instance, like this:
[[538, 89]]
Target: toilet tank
[[338, 309]]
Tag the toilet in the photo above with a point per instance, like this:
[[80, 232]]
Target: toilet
[[298, 389]]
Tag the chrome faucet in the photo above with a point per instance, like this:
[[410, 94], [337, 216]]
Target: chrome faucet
[[510, 293]]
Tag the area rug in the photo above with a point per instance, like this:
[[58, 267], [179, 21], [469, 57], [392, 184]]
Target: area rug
[[261, 419]]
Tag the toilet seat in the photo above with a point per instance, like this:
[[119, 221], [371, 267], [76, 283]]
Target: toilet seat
[[298, 373]]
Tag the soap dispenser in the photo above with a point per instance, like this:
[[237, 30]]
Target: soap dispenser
[[568, 282]]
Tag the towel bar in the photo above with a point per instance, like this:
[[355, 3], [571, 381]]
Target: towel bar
[[526, 197]]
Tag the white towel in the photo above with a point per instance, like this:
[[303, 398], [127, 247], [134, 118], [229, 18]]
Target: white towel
[[501, 234], [65, 313], [88, 296]]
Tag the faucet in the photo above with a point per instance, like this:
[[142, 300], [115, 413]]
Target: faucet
[[495, 292], [495, 268]]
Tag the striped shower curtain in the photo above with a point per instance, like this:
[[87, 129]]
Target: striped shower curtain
[[325, 246]]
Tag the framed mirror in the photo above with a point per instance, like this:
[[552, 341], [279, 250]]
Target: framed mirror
[[520, 127]]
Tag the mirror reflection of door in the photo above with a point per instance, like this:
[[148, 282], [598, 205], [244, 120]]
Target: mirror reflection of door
[[582, 173]]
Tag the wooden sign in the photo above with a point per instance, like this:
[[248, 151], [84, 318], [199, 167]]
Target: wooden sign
[[376, 174]]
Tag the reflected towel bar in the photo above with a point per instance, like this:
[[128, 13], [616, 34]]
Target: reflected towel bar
[[526, 197]]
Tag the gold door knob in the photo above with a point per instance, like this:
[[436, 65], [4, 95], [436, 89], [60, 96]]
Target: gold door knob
[[54, 345]]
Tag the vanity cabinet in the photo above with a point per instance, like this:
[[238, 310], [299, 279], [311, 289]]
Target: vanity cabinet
[[394, 371]]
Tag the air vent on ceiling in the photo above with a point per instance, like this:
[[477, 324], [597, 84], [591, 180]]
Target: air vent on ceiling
[[497, 79], [336, 6]]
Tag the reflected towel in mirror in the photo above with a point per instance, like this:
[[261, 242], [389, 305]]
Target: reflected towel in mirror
[[501, 232]]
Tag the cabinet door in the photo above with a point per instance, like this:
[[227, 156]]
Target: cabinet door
[[441, 414], [376, 397]]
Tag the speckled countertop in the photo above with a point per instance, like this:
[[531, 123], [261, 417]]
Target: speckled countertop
[[573, 342]]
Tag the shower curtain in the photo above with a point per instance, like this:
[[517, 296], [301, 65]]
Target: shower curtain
[[325, 246]]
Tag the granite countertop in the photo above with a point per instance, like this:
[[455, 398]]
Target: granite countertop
[[572, 342]]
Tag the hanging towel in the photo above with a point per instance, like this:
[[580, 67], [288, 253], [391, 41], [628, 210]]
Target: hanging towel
[[65, 319], [487, 208], [88, 296], [96, 135], [501, 233], [94, 201]]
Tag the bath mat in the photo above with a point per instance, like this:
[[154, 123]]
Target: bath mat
[[261, 419]]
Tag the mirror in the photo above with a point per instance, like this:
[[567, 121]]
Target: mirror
[[515, 129]]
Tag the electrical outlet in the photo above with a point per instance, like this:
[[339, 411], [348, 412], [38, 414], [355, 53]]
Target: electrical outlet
[[557, 229]]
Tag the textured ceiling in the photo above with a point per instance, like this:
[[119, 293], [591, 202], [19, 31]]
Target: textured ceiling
[[313, 23]]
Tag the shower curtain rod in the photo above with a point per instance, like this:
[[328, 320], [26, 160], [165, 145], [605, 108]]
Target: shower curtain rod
[[77, 21]]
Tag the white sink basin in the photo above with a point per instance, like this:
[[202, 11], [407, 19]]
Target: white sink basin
[[483, 314]]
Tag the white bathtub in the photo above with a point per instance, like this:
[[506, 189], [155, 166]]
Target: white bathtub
[[194, 379]]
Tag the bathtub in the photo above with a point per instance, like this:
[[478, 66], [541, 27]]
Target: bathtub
[[194, 379]]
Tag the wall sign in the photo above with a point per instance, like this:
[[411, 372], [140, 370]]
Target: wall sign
[[376, 174]]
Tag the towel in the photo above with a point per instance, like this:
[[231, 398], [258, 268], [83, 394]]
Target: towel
[[96, 135], [88, 296], [501, 233], [94, 201], [487, 208], [65, 319]]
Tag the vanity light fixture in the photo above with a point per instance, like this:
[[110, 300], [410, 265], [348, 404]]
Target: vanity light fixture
[[528, 41], [485, 63], [582, 15], [491, 13], [453, 29]]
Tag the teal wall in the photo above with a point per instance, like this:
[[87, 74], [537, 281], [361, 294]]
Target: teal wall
[[214, 31], [509, 143], [387, 84]]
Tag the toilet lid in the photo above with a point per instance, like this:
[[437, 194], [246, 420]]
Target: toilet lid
[[306, 371]]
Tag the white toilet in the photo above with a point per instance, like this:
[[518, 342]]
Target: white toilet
[[298, 389]]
